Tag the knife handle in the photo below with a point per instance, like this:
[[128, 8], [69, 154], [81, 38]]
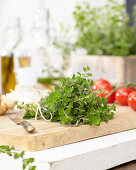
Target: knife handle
[[28, 127]]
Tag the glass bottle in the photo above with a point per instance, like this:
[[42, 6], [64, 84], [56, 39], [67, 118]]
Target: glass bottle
[[11, 38], [8, 80], [26, 65], [43, 33]]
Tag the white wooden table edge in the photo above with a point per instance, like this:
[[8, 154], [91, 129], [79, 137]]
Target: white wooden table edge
[[83, 147], [109, 151], [93, 154]]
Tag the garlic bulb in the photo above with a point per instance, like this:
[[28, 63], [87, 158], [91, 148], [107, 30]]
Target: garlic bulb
[[21, 94]]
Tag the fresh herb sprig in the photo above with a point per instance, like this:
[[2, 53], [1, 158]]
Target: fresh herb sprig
[[73, 102], [10, 151]]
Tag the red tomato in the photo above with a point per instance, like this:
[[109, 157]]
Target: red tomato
[[103, 86], [101, 81], [132, 88], [111, 98], [122, 96], [132, 100]]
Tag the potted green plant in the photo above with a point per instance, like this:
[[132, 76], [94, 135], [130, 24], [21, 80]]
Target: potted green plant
[[109, 42]]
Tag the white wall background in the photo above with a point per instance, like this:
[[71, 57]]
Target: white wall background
[[61, 11]]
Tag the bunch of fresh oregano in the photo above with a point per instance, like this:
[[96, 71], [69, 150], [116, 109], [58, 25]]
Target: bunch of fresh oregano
[[72, 102], [10, 151]]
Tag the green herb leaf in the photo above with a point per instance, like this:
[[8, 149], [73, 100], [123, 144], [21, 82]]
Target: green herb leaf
[[10, 151]]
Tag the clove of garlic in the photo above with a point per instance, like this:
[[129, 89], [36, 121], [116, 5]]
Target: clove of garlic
[[3, 108], [8, 101]]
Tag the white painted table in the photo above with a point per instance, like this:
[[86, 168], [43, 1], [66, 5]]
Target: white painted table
[[94, 154]]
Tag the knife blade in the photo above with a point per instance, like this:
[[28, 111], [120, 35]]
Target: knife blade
[[27, 126]]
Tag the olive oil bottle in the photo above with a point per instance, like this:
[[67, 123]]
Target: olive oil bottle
[[8, 80], [12, 36]]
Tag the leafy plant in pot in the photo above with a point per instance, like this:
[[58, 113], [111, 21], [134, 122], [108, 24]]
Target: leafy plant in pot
[[104, 33]]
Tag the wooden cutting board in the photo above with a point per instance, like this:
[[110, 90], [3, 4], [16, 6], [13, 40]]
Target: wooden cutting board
[[48, 134]]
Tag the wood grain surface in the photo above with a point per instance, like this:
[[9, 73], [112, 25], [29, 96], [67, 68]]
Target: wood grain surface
[[48, 134]]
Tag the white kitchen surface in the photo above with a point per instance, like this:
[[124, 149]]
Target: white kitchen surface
[[94, 154]]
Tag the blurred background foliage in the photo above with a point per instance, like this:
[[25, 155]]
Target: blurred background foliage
[[103, 30]]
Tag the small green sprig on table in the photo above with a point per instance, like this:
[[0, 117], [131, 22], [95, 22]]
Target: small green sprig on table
[[10, 151], [73, 102]]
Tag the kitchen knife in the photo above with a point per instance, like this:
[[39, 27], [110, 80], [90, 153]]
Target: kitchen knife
[[27, 126]]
